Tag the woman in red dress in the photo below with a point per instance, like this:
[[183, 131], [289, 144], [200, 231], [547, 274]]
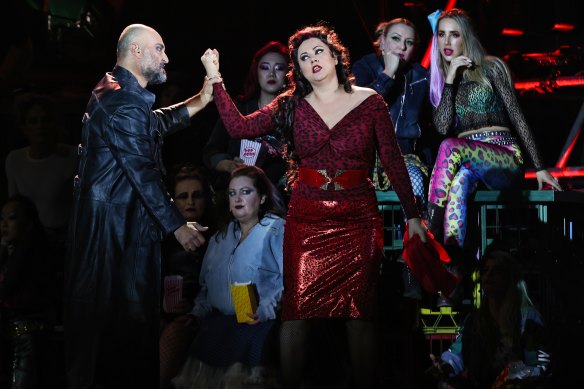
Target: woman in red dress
[[333, 238]]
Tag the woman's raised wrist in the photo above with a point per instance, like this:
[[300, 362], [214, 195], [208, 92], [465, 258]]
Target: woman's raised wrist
[[218, 75]]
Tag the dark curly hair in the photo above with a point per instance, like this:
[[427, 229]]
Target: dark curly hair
[[299, 87]]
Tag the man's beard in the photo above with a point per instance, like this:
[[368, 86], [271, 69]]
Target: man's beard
[[154, 76]]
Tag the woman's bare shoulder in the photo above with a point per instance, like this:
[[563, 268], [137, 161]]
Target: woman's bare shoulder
[[363, 91]]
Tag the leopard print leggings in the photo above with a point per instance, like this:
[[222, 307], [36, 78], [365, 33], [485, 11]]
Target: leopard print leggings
[[493, 158]]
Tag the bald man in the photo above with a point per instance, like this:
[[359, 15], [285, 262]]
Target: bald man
[[122, 212]]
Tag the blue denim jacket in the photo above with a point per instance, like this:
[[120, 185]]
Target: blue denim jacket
[[257, 259], [405, 96]]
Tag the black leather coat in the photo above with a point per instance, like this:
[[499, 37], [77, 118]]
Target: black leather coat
[[122, 211]]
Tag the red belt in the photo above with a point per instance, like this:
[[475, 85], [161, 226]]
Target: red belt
[[342, 179]]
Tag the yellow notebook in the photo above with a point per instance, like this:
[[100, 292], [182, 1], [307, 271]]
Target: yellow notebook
[[244, 300]]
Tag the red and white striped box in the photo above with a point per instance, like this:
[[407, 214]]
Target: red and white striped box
[[172, 292]]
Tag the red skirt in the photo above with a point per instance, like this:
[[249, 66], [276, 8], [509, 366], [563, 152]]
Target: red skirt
[[332, 258]]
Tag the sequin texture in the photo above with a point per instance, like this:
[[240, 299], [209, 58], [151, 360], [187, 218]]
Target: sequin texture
[[332, 258]]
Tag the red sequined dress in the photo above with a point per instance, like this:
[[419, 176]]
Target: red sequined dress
[[333, 239]]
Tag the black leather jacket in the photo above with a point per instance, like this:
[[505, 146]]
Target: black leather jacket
[[122, 211]]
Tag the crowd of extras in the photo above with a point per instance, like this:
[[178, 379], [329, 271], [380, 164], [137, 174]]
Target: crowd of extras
[[122, 239]]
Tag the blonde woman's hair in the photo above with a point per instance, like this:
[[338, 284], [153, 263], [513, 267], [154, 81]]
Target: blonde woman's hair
[[473, 49]]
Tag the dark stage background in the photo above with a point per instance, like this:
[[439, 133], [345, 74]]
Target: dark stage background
[[74, 42]]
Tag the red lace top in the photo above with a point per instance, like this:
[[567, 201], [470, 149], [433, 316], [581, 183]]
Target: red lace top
[[349, 144]]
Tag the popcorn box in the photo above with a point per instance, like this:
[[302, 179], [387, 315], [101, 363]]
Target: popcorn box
[[249, 151], [244, 300], [172, 292]]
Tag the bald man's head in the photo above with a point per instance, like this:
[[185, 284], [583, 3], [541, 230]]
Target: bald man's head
[[134, 33], [142, 51]]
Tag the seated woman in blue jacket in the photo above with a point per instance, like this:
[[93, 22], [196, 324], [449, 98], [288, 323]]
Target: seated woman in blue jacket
[[248, 248], [393, 73]]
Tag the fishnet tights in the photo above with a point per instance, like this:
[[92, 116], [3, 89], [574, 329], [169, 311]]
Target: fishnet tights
[[175, 338]]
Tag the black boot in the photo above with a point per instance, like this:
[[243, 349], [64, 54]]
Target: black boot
[[436, 221]]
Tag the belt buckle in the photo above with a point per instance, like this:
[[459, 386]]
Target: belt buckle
[[330, 180]]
